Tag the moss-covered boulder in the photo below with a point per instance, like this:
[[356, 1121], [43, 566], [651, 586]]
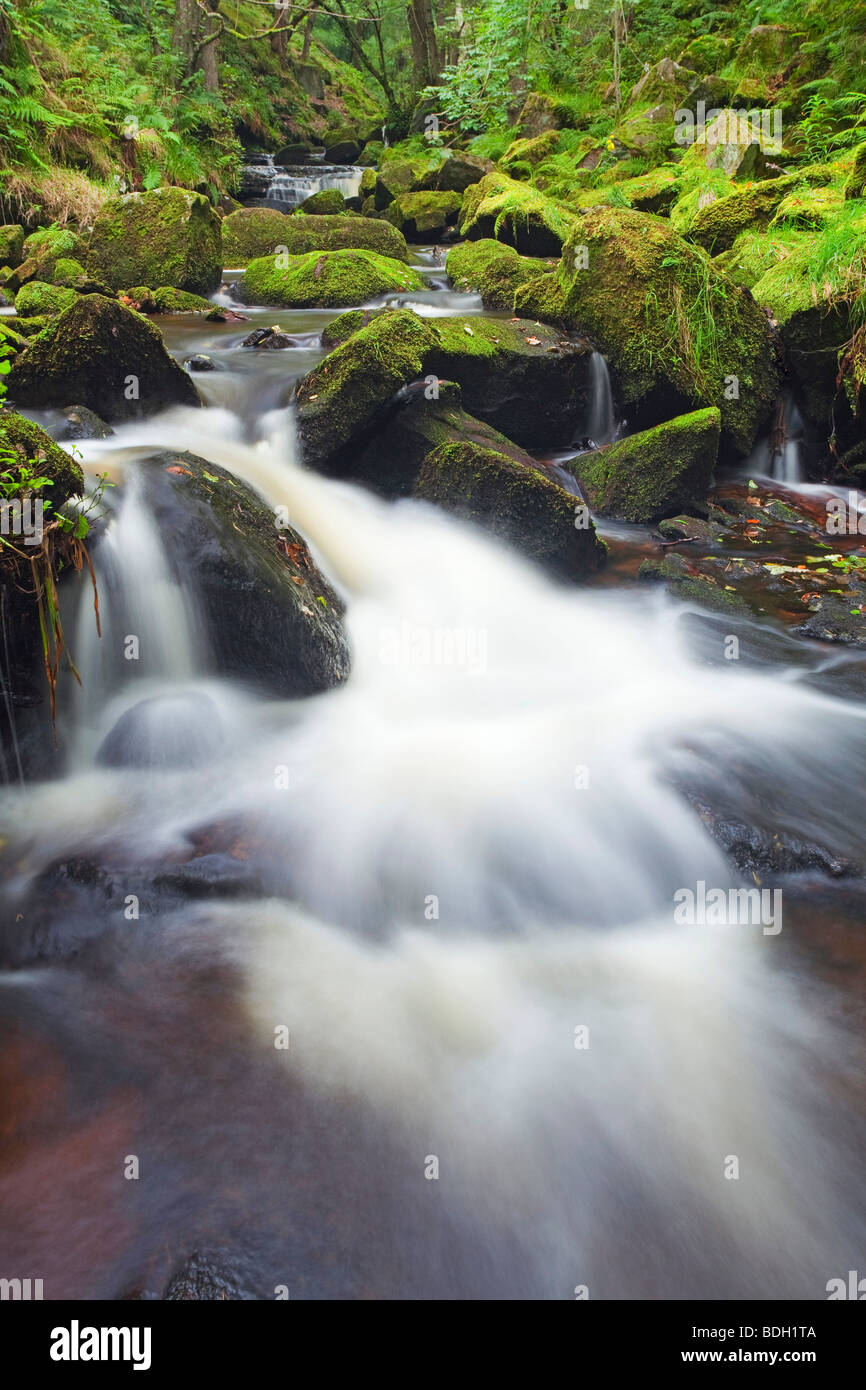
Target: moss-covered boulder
[[706, 53], [515, 501], [491, 269], [46, 247], [655, 191], [424, 216], [38, 298], [344, 325], [523, 378], [271, 617], [399, 174], [809, 209], [457, 172], [104, 356], [344, 396], [11, 336], [531, 152], [68, 271], [324, 279], [728, 144], [11, 245], [255, 232], [717, 225], [326, 202], [168, 236], [676, 333], [662, 471], [506, 210], [31, 446], [168, 300]]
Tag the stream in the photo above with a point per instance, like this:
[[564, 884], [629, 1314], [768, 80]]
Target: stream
[[510, 1072]]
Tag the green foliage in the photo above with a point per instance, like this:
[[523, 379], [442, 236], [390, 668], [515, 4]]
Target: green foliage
[[830, 124]]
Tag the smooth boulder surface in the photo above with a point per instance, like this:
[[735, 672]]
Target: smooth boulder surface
[[654, 474], [103, 356], [272, 619], [168, 236]]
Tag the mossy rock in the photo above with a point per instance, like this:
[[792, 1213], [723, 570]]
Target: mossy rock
[[750, 257], [49, 245], [68, 272], [342, 398], [340, 329], [424, 216], [521, 377], [11, 337], [855, 184], [271, 618], [398, 176], [491, 269], [34, 324], [367, 184], [650, 132], [325, 203], [717, 226], [256, 232], [540, 113], [168, 236], [502, 209], [675, 333], [708, 53], [666, 82], [727, 145], [656, 473], [530, 152], [11, 245], [38, 298], [516, 501], [32, 446], [809, 209], [325, 279], [768, 47], [168, 300], [655, 191], [457, 172], [103, 356]]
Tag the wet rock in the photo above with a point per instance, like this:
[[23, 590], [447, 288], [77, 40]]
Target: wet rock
[[653, 474], [424, 217], [271, 618], [270, 338], [82, 423], [344, 152], [212, 1275], [165, 732], [105, 357], [200, 362], [168, 236], [37, 297]]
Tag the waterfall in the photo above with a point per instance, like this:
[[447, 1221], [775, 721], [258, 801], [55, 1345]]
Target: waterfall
[[602, 425], [290, 187], [778, 454]]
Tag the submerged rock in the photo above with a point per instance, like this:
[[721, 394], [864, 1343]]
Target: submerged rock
[[168, 236], [654, 474], [272, 619], [325, 279], [164, 732], [272, 339], [105, 357]]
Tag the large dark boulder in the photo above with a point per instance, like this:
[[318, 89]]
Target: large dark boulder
[[100, 355], [272, 619]]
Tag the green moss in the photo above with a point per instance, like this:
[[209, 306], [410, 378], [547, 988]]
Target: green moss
[[707, 53], [717, 225], [168, 300], [33, 325], [424, 216], [676, 333], [49, 245], [809, 209], [31, 445], [530, 152], [656, 473], [67, 271], [542, 298], [10, 337], [256, 232], [492, 269], [752, 255], [324, 279], [855, 186], [326, 202], [166, 237], [38, 298], [344, 325], [501, 208], [655, 191], [344, 394], [11, 245]]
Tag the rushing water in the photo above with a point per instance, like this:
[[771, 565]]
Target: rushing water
[[474, 860], [286, 187]]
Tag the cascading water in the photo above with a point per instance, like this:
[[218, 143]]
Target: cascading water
[[602, 425], [459, 903], [778, 454]]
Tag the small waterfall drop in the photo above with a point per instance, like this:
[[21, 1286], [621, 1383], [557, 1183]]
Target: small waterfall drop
[[602, 425]]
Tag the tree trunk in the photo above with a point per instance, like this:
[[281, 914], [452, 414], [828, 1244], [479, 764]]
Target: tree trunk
[[208, 57], [187, 16], [308, 37], [425, 50]]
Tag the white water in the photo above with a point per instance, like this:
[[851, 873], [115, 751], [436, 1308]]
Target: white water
[[602, 425], [451, 772], [781, 463], [288, 190]]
